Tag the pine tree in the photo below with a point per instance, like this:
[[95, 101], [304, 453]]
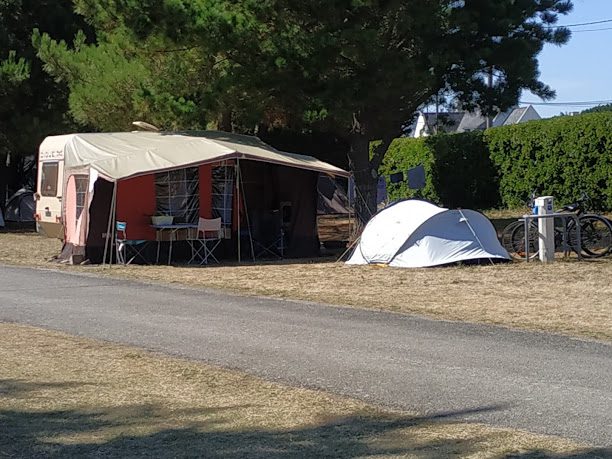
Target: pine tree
[[357, 68]]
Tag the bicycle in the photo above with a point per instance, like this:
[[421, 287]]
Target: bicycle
[[595, 233]]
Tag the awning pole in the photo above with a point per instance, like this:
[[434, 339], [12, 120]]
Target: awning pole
[[248, 221], [108, 226], [238, 205]]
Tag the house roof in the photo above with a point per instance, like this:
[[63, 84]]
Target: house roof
[[451, 122], [472, 122], [121, 155], [444, 121], [515, 116]]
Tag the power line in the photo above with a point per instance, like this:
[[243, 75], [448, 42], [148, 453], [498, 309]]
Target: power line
[[580, 24], [592, 30], [585, 103]]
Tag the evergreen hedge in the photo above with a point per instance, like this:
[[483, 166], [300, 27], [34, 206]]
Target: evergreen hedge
[[459, 172], [562, 157]]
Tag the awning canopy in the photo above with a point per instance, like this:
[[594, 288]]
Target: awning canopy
[[120, 155]]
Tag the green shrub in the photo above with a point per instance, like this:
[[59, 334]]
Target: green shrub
[[459, 172], [561, 157], [404, 154]]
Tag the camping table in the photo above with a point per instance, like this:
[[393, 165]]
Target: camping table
[[171, 230]]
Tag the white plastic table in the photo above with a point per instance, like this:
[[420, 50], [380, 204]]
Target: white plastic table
[[171, 230]]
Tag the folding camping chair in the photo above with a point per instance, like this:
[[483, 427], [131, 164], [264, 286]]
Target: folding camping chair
[[274, 248], [206, 240], [128, 247], [271, 236]]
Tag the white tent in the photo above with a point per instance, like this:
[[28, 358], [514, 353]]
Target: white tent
[[414, 234]]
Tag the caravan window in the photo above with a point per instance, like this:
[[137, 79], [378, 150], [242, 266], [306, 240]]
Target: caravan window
[[48, 180], [177, 194]]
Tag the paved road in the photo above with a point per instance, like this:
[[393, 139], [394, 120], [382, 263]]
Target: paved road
[[533, 381]]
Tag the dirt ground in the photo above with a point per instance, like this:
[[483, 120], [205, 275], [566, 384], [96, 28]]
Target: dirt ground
[[63, 396], [569, 297]]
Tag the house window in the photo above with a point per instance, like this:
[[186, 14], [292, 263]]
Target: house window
[[222, 193], [48, 180], [177, 194], [81, 182]]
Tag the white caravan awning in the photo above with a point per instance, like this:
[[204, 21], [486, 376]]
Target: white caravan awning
[[120, 155]]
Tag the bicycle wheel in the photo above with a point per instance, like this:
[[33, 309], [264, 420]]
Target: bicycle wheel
[[595, 236], [513, 240], [506, 236]]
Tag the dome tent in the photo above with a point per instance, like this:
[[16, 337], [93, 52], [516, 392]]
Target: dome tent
[[415, 234], [20, 207]]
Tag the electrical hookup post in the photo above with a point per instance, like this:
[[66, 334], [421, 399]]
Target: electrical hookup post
[[546, 229]]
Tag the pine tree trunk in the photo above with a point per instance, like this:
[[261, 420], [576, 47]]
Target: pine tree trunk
[[4, 180], [364, 166], [225, 121], [366, 178]]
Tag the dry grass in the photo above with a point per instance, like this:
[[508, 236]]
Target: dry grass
[[62, 396], [27, 249], [497, 214], [571, 297]]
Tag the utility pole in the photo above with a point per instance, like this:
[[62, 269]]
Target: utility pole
[[437, 110], [488, 120]]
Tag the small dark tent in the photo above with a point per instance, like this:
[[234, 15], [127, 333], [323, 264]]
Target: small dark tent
[[20, 207]]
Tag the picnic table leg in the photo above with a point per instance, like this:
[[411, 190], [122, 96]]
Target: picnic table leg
[[170, 249], [158, 246]]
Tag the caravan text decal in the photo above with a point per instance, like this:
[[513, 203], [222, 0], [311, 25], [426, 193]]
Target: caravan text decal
[[51, 155]]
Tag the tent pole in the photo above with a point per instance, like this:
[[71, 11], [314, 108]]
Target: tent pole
[[108, 226], [114, 219], [352, 230], [248, 222], [464, 218], [238, 205]]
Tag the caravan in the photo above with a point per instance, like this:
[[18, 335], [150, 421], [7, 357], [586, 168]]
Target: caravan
[[50, 187], [265, 197]]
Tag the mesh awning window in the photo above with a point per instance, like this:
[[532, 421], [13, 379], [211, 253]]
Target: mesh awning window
[[223, 193], [177, 194]]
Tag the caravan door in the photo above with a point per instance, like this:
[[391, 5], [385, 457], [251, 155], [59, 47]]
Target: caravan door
[[49, 192]]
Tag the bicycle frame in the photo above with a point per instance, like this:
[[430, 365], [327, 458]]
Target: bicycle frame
[[563, 215]]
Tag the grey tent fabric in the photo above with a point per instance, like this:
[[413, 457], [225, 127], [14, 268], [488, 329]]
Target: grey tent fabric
[[333, 197], [21, 207]]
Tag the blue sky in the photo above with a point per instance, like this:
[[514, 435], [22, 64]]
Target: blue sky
[[581, 70]]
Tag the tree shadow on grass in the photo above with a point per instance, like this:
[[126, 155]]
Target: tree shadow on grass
[[595, 453], [19, 388], [207, 433]]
